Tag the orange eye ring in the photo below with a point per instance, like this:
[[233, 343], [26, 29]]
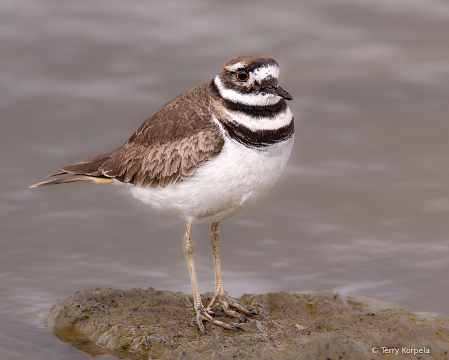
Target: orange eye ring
[[241, 75]]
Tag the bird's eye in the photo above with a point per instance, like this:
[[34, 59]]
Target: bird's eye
[[242, 75]]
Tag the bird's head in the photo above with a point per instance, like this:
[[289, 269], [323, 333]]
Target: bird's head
[[252, 80]]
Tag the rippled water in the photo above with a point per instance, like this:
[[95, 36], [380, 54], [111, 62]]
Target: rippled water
[[362, 207]]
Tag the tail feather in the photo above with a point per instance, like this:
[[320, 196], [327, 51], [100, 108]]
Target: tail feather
[[57, 173], [62, 180], [84, 170]]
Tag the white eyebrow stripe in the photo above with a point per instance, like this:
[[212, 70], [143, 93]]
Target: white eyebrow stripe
[[247, 99], [235, 67]]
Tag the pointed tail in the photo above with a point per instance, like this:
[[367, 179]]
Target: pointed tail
[[84, 170]]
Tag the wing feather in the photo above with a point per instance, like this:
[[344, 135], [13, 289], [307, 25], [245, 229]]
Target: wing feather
[[168, 147]]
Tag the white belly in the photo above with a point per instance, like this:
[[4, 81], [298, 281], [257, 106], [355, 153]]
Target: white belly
[[223, 186]]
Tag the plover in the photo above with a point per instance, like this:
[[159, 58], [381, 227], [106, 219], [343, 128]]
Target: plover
[[205, 155]]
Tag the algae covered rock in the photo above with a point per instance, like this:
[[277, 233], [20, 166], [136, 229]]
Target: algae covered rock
[[155, 324]]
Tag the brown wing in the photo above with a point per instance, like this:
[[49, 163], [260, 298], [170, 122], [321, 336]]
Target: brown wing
[[168, 147]]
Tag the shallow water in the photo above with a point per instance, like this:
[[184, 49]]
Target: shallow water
[[362, 207]]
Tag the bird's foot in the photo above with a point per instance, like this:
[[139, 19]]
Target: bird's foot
[[205, 314], [226, 303]]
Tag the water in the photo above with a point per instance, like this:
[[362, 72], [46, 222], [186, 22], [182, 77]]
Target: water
[[362, 207]]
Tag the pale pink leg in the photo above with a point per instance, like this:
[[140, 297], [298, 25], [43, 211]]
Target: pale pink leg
[[201, 312], [219, 295]]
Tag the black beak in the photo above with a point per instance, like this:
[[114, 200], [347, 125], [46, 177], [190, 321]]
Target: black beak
[[274, 88]]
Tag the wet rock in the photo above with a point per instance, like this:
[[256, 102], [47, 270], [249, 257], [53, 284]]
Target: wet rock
[[149, 323]]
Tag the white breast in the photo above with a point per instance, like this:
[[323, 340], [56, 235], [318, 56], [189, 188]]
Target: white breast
[[223, 186]]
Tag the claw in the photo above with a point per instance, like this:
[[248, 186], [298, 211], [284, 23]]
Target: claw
[[203, 314], [199, 321], [241, 308], [226, 303]]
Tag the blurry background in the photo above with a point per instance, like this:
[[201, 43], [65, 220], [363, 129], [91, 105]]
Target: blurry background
[[362, 207]]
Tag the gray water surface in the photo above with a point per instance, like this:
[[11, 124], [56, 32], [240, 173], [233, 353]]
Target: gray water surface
[[363, 206]]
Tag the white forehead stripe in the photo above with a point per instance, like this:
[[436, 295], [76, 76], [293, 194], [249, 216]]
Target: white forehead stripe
[[247, 99], [263, 72]]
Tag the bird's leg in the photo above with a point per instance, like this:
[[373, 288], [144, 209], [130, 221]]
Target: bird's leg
[[201, 312], [219, 296]]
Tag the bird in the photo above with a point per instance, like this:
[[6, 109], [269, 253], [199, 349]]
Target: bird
[[205, 155]]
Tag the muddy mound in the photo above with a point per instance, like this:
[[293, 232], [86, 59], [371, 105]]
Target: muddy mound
[[142, 324]]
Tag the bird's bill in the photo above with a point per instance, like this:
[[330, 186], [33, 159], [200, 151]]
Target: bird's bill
[[275, 89]]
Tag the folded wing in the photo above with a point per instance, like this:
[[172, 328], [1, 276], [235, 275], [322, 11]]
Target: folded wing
[[168, 147]]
